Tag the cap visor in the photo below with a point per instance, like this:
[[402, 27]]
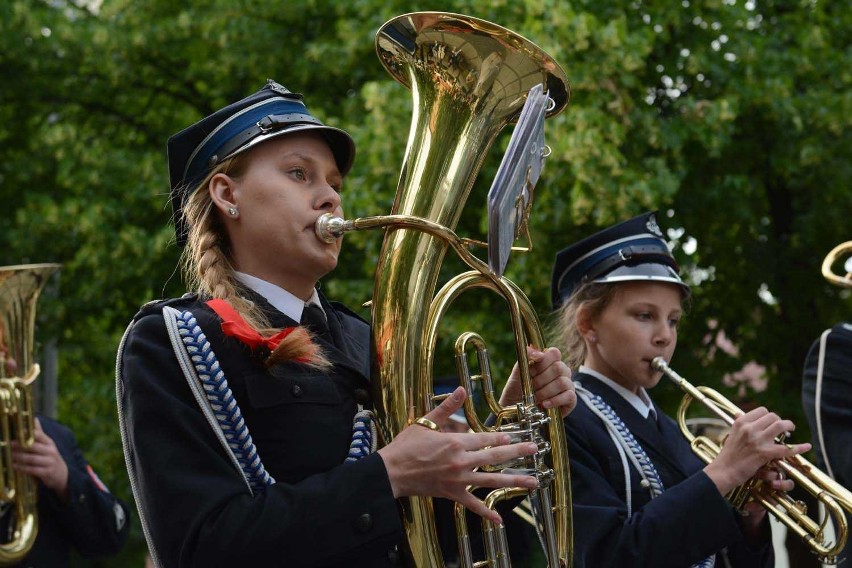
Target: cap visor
[[341, 144], [643, 272]]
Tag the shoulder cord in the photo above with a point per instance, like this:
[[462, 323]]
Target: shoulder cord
[[229, 418], [628, 447], [364, 436], [818, 396], [214, 396]]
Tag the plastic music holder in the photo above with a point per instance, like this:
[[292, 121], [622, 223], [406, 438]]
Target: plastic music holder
[[511, 194]]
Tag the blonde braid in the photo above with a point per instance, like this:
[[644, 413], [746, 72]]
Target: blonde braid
[[208, 270]]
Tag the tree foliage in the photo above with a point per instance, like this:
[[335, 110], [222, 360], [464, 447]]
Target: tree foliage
[[731, 117]]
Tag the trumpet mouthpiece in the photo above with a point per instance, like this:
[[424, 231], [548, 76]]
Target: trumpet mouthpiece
[[329, 228], [659, 364]]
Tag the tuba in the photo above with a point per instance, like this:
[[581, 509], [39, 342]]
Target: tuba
[[835, 254], [19, 290], [833, 496], [469, 78]]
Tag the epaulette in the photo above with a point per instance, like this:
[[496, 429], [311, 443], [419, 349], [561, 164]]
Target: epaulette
[[345, 309], [156, 306]]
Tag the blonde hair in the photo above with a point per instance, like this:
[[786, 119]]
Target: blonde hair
[[207, 269], [589, 300]]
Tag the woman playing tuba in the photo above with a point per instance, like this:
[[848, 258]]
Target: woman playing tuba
[[247, 434]]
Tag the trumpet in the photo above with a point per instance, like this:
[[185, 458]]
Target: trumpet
[[833, 256], [793, 513]]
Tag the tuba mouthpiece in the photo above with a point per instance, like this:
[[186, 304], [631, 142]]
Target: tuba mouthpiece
[[329, 228]]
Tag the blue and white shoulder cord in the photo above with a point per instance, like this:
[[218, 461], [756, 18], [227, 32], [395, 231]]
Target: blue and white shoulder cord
[[211, 390], [629, 448]]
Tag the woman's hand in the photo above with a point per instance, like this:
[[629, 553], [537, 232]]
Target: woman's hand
[[426, 462], [551, 379], [751, 445]]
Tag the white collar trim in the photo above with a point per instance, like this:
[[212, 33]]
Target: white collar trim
[[282, 300], [641, 402]]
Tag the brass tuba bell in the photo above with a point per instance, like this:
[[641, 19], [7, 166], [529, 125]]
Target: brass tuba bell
[[20, 287], [469, 78]]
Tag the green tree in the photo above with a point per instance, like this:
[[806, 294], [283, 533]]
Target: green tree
[[731, 117]]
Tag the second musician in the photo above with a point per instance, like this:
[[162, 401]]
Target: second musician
[[643, 497]]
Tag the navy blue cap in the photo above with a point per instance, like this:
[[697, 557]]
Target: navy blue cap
[[270, 112], [631, 250]]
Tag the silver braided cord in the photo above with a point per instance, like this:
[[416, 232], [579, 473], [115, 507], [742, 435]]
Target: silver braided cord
[[229, 417], [222, 401]]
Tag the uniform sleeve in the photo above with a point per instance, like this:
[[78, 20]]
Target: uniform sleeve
[[834, 421], [196, 507], [835, 401], [96, 522], [684, 525]]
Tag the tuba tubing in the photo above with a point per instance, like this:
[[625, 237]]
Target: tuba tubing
[[468, 79], [20, 287], [833, 496]]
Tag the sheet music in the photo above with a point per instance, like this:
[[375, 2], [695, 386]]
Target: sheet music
[[510, 196]]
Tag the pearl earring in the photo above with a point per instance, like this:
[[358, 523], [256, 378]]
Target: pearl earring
[[232, 211]]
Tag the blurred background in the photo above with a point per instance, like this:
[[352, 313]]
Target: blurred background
[[730, 117]]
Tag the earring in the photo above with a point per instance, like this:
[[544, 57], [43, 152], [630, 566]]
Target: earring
[[232, 211]]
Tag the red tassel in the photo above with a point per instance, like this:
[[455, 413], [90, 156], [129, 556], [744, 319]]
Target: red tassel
[[234, 325]]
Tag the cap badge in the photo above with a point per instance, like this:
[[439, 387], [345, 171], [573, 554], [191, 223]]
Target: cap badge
[[277, 87], [652, 226]]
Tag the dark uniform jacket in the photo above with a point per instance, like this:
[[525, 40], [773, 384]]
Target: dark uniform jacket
[[835, 406], [93, 522], [196, 507], [690, 521]]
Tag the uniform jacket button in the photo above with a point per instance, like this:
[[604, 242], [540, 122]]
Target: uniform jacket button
[[394, 556], [362, 396], [364, 522], [297, 391]]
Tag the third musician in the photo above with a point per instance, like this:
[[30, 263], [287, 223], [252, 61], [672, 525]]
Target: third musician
[[642, 498]]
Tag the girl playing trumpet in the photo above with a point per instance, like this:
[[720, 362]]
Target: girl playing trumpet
[[642, 498]]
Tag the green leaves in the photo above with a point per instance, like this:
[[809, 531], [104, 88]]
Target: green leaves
[[734, 116]]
